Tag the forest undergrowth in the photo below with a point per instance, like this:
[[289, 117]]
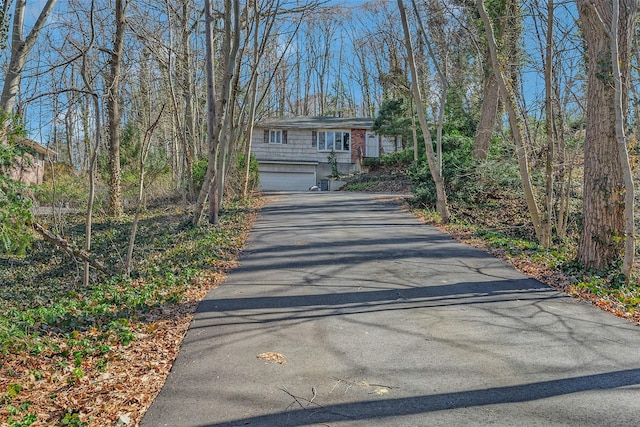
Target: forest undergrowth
[[97, 356]]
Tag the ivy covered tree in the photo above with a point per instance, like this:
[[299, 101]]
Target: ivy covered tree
[[15, 206]]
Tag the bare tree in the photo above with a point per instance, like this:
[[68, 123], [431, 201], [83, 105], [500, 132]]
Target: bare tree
[[436, 173], [217, 101], [507, 99], [547, 220], [144, 153], [20, 48], [621, 142], [507, 29], [113, 108]]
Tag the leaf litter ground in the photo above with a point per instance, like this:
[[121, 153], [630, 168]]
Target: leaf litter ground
[[99, 356]]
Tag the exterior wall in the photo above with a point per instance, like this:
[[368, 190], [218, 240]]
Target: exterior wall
[[28, 169], [324, 169], [358, 144], [299, 148]]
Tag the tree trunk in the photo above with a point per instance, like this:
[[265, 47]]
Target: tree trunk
[[436, 174], [91, 152], [253, 97], [217, 108], [547, 217], [113, 111], [188, 89], [144, 153], [488, 116], [507, 98], [211, 116], [621, 143], [601, 240]]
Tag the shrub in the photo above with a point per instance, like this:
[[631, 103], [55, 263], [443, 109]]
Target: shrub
[[467, 183], [199, 170], [62, 186], [399, 158]]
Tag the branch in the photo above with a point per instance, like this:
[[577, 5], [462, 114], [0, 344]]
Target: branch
[[70, 248], [57, 92], [37, 27]]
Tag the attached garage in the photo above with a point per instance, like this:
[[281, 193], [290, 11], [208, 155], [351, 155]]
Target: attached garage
[[287, 176]]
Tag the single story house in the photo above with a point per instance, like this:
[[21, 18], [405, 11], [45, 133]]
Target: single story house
[[29, 168], [293, 153]]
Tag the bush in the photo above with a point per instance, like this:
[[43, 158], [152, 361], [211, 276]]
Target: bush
[[467, 183], [63, 186], [199, 170], [399, 158]]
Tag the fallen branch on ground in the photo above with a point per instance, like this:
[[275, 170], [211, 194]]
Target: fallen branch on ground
[[70, 248]]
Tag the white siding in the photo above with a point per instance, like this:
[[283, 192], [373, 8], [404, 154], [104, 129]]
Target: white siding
[[298, 148]]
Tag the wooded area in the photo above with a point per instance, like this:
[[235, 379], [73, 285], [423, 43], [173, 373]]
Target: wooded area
[[179, 85], [517, 119]]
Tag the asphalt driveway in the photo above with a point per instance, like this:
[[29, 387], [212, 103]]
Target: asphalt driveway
[[383, 321]]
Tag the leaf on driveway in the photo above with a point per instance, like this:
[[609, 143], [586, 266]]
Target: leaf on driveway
[[380, 391], [272, 357]]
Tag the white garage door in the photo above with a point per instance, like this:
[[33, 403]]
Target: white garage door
[[287, 181], [287, 176]]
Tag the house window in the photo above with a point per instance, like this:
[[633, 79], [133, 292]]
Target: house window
[[275, 136], [334, 140]]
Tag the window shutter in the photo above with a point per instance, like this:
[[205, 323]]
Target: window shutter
[[284, 136], [314, 138], [266, 136]]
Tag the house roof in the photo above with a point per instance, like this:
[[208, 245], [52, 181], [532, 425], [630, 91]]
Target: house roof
[[307, 122], [30, 143]]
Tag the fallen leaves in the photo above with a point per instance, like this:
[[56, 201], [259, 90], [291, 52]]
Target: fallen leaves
[[92, 376], [272, 357]]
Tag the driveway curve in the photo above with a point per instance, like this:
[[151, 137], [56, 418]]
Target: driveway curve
[[347, 311]]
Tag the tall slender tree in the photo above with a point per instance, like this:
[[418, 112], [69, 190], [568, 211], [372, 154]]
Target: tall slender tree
[[512, 113], [436, 173]]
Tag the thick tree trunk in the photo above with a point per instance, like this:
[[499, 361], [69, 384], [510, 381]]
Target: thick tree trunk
[[114, 113], [488, 116], [602, 237]]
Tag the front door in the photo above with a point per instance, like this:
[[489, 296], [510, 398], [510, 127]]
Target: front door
[[373, 149]]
